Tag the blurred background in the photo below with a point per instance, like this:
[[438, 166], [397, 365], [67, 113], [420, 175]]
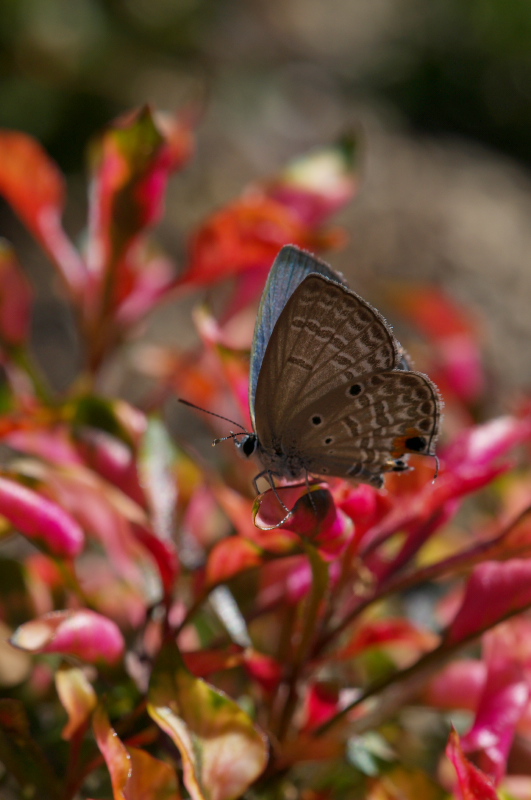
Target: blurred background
[[439, 91]]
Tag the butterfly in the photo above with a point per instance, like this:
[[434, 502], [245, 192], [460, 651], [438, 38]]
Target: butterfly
[[331, 392]]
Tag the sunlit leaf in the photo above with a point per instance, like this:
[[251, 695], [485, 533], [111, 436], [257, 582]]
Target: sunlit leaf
[[157, 455], [114, 752], [223, 752], [77, 697], [150, 778]]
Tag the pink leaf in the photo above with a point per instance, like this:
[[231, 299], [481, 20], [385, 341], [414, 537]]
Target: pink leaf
[[103, 511], [482, 444], [48, 444], [112, 459], [505, 696], [83, 634], [40, 519], [318, 184], [494, 591], [459, 685]]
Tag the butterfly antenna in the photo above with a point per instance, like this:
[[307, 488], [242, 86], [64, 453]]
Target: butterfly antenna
[[212, 414], [224, 438]]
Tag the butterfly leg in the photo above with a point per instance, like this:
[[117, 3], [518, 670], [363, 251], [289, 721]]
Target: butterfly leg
[[310, 493], [267, 473]]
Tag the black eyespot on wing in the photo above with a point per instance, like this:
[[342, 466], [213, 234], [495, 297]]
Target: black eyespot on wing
[[400, 466], [329, 440], [317, 420], [415, 443], [354, 390]]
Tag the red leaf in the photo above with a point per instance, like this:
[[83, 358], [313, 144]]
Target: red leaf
[[164, 554], [322, 702], [472, 784], [304, 511], [468, 464], [247, 234], [229, 557], [34, 187], [130, 164], [382, 632], [16, 298], [454, 336], [204, 662], [265, 670]]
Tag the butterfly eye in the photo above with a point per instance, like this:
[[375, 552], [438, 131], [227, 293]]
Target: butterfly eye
[[248, 445], [415, 443]]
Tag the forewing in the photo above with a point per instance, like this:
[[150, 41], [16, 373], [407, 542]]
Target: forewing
[[357, 431], [325, 339], [290, 268]]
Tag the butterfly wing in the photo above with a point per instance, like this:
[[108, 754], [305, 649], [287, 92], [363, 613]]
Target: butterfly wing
[[326, 336], [289, 269], [332, 368], [359, 434]]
